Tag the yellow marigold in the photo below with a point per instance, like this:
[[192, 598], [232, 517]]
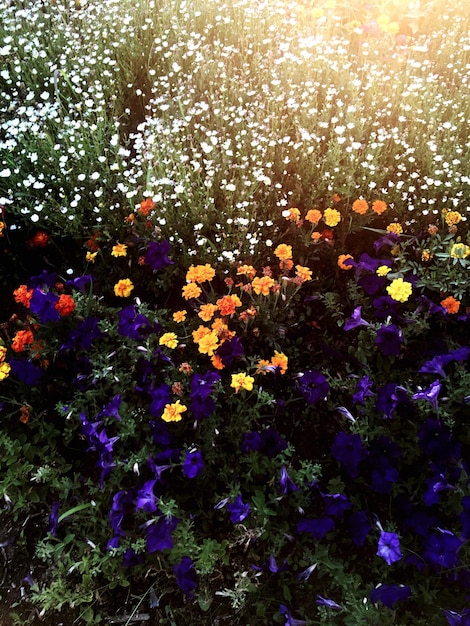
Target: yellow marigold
[[283, 252], [426, 255], [123, 288], [400, 290], [360, 206], [262, 285], [199, 333], [341, 261], [206, 312], [2, 228], [316, 236], [280, 360], [170, 340], [383, 270], [228, 304], [450, 304], [200, 273], [293, 214], [172, 412], [394, 227], [221, 329], [246, 270], [90, 257], [332, 217], [460, 251], [179, 316], [119, 249], [313, 216], [242, 381], [303, 273], [208, 344], [379, 206], [4, 370], [3, 353], [452, 218], [191, 291]]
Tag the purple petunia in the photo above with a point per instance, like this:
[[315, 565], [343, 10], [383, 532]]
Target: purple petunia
[[389, 547], [146, 499], [349, 450], [388, 595], [158, 533], [286, 484], [238, 510], [457, 619], [160, 397], [389, 340], [193, 464], [355, 320], [54, 519], [318, 528], [186, 576], [359, 527], [157, 253], [441, 547], [313, 386], [290, 621], [321, 601], [26, 371], [430, 394], [363, 390], [42, 304]]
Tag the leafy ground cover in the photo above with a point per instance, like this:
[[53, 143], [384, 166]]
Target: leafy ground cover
[[234, 355]]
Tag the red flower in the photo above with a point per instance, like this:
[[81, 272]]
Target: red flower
[[65, 305]]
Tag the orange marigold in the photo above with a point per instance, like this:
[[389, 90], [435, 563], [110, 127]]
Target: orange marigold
[[293, 214], [283, 252], [179, 316], [22, 339], [246, 270], [200, 273], [191, 291], [314, 216], [450, 304], [228, 304], [360, 206], [206, 312], [342, 261], [146, 206], [379, 206], [262, 285], [65, 305], [303, 273], [23, 295]]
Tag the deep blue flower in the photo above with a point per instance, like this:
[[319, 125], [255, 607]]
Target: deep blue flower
[[122, 501], [441, 547], [290, 621], [160, 397], [318, 528], [42, 304], [363, 390], [193, 464], [430, 394], [349, 450], [146, 499], [313, 386], [286, 484], [238, 510], [251, 441], [383, 456], [389, 547], [161, 433], [201, 406], [111, 409], [158, 533], [46, 278], [271, 443], [434, 485], [202, 385], [371, 283], [464, 517], [355, 320], [385, 307], [135, 325], [54, 519], [387, 240], [389, 397], [336, 504], [435, 440], [389, 340], [83, 335], [321, 601], [457, 619], [131, 558], [388, 595], [80, 282], [186, 576], [359, 526], [157, 253], [26, 371], [230, 350], [437, 363]]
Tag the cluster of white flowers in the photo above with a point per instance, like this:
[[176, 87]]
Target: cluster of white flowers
[[230, 112]]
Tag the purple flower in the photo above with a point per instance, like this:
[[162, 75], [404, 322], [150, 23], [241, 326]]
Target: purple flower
[[457, 619], [313, 386], [371, 283], [202, 385], [54, 519], [230, 350], [156, 256], [290, 621], [318, 528], [385, 307], [388, 595], [158, 533], [238, 510], [83, 334], [464, 517], [135, 325], [436, 364], [430, 394], [363, 390], [186, 576], [435, 440], [286, 484], [440, 548], [349, 450], [355, 320], [112, 408], [146, 499], [359, 526], [193, 464], [389, 397], [122, 501], [271, 443], [131, 558], [251, 441], [26, 371], [336, 504], [160, 397], [321, 601], [42, 304], [389, 340], [80, 282], [389, 547]]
